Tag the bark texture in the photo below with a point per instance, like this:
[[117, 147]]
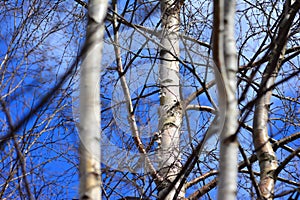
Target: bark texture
[[90, 174], [170, 102], [265, 153]]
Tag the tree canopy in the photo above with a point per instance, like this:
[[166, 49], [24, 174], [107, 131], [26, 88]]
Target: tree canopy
[[159, 77]]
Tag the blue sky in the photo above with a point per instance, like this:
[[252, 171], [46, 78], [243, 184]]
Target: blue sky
[[40, 48], [51, 148]]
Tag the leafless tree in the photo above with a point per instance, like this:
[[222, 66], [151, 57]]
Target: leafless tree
[[166, 120], [39, 40]]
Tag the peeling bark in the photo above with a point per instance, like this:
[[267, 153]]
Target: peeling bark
[[170, 102], [265, 153]]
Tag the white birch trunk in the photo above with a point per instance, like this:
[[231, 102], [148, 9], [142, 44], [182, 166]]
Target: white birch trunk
[[229, 146], [265, 153], [226, 60], [170, 107], [89, 128]]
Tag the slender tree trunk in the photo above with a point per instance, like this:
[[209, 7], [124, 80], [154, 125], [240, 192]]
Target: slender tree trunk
[[170, 102], [265, 153], [90, 174], [130, 111], [224, 51]]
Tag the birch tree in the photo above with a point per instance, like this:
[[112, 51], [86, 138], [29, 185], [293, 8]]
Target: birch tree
[[90, 174], [265, 153], [224, 50], [170, 101], [39, 46]]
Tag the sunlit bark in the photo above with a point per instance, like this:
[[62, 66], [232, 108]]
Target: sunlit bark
[[40, 43], [265, 153], [170, 102], [225, 58], [90, 174]]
